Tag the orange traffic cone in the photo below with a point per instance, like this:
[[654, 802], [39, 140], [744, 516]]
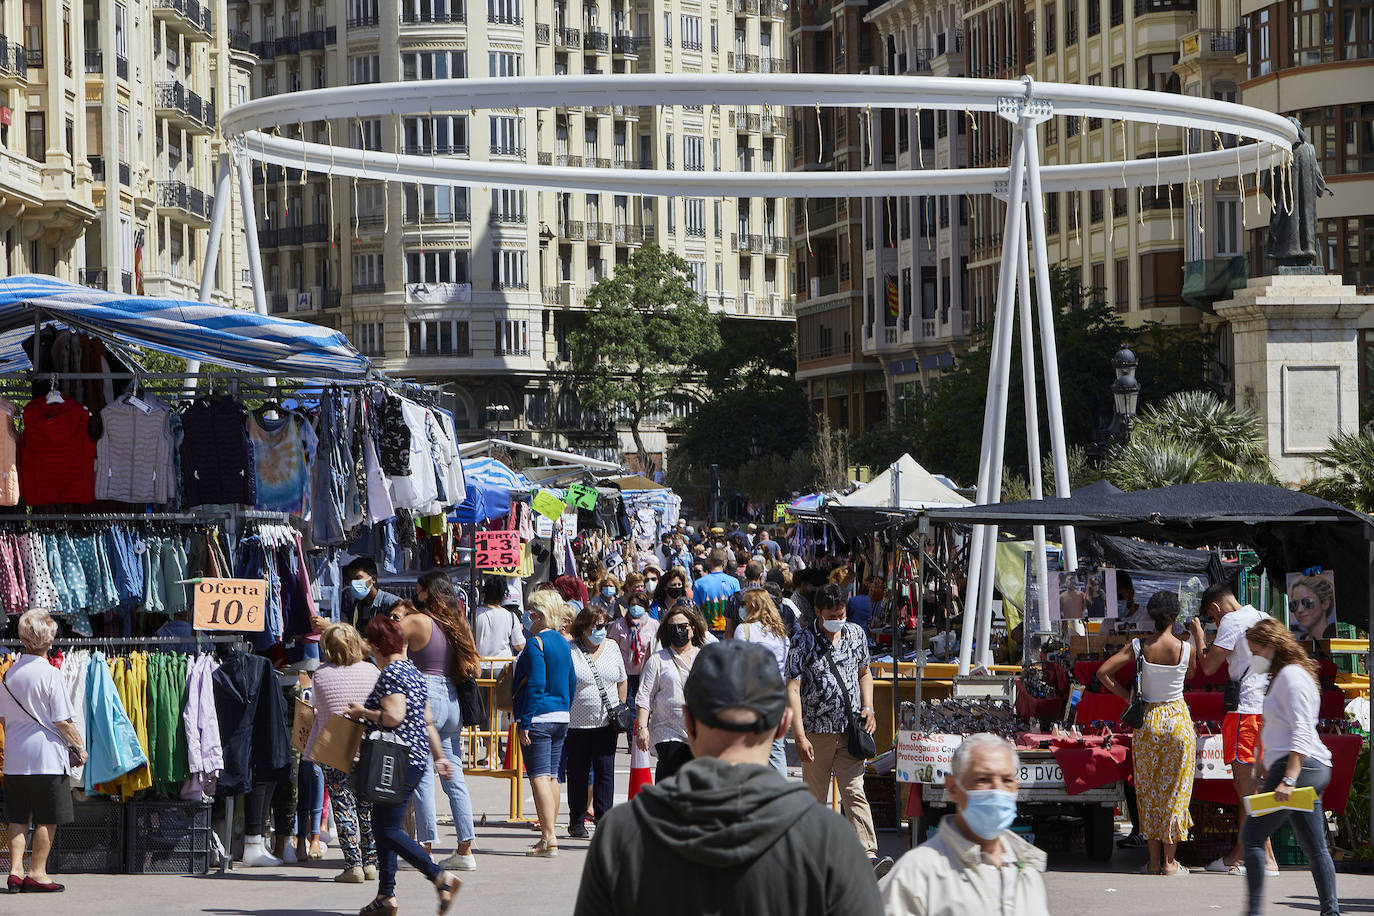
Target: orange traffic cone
[[641, 774]]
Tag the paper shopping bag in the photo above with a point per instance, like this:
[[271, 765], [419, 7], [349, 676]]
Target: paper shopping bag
[[337, 743], [302, 724]]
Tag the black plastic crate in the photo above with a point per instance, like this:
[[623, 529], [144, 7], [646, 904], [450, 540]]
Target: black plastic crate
[[93, 844], [168, 838]]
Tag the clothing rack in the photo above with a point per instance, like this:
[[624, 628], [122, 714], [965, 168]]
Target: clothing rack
[[113, 641]]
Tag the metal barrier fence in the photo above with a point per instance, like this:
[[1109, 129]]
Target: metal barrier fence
[[485, 743]]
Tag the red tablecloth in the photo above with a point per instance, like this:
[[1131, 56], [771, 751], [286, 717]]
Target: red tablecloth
[[1345, 751], [1089, 767], [1204, 705]]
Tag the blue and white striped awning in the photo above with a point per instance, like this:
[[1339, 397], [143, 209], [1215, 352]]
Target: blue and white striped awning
[[489, 485], [215, 334]]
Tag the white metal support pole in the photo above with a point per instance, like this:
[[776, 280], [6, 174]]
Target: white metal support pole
[[250, 234], [1049, 351], [1032, 440], [982, 551], [223, 195]]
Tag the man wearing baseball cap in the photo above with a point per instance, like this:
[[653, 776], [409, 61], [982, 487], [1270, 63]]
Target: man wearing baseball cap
[[727, 834]]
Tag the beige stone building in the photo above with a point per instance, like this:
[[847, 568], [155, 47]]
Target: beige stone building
[[109, 143], [477, 287]]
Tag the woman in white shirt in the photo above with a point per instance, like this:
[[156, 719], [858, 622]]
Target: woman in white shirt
[[591, 735], [1292, 756], [1165, 746], [761, 623], [658, 720]]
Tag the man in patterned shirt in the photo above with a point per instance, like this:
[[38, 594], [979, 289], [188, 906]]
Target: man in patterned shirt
[[821, 707]]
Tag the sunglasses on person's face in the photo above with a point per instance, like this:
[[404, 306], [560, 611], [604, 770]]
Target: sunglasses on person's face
[[1307, 604]]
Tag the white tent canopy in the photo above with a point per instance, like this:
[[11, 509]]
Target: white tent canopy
[[472, 449], [917, 489]]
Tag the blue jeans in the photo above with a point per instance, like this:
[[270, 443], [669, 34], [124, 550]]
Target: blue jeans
[[309, 798], [545, 749], [392, 840], [777, 757], [448, 721], [1309, 827]]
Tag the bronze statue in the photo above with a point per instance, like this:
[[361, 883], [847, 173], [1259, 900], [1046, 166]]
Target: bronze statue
[[1292, 239]]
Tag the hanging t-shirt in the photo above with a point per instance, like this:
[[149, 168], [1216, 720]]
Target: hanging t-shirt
[[282, 451], [417, 489], [56, 454], [715, 594]]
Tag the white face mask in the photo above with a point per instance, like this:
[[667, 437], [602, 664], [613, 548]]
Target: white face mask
[[1259, 664]]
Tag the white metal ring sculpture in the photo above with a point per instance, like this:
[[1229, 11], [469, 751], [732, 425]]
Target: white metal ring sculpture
[[255, 121], [253, 126]]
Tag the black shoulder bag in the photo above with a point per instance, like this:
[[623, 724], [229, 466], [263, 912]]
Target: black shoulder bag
[[1133, 715], [861, 743], [620, 716], [1230, 696]]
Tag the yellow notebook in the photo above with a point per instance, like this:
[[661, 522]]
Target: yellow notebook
[[1301, 800]]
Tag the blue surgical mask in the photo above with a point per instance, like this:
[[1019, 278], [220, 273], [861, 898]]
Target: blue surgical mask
[[360, 587], [833, 626], [989, 812], [636, 611], [608, 591], [597, 636]]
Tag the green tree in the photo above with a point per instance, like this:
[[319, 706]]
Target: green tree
[[645, 334], [1350, 460], [1191, 437]]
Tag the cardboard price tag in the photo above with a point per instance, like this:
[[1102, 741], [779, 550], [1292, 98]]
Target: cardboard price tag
[[780, 512], [548, 505], [230, 604], [496, 550], [582, 496]]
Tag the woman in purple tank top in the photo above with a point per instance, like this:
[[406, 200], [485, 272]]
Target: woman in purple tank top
[[441, 645]]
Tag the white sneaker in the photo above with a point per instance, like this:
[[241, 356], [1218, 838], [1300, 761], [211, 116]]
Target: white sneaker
[[1219, 866], [289, 857], [256, 855], [458, 862]]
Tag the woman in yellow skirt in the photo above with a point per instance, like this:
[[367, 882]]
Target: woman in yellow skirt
[[1165, 747]]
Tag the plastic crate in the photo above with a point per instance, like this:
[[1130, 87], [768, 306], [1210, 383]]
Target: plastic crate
[[168, 838], [93, 844]]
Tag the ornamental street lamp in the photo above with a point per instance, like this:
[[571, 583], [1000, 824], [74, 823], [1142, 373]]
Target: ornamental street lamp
[[1126, 389]]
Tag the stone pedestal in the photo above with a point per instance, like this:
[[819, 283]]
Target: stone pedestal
[[1295, 346]]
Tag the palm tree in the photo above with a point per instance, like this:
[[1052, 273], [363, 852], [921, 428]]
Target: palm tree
[[1191, 437], [1350, 458]]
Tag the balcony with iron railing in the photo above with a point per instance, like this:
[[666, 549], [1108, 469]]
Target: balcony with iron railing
[[176, 101], [313, 40], [266, 50], [181, 198], [918, 60], [432, 149], [595, 40], [506, 151], [1214, 43], [126, 282], [773, 9], [125, 174], [14, 63], [190, 17], [567, 38], [504, 17], [287, 45], [1150, 7], [369, 21], [239, 40], [502, 218], [625, 46], [571, 229], [742, 63], [629, 234], [541, 33], [410, 16], [94, 277], [94, 61]]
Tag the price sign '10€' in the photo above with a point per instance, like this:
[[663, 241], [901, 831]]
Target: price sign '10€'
[[230, 604], [495, 550]]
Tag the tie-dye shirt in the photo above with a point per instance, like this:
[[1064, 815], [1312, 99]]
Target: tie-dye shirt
[[282, 451]]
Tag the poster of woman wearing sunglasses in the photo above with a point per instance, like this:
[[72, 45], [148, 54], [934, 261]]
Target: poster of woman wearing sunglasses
[[1312, 604]]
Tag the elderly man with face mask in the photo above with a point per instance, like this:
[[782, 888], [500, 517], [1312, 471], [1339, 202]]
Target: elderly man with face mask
[[974, 865]]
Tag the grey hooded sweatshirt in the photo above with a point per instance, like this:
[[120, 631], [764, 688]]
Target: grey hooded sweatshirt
[[723, 839]]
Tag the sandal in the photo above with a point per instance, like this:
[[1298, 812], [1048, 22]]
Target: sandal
[[542, 850], [380, 906], [447, 890]]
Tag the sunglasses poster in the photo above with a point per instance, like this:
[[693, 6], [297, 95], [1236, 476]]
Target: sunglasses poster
[[1312, 604]]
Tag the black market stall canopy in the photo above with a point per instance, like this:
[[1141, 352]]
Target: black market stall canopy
[[228, 337], [1290, 531]]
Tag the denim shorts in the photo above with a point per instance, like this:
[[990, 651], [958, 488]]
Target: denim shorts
[[545, 748]]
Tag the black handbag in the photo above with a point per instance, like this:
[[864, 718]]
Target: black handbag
[[861, 745], [621, 716], [1133, 716], [380, 774], [471, 702]]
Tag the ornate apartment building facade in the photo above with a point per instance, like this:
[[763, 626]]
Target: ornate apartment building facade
[[478, 287], [109, 143]]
